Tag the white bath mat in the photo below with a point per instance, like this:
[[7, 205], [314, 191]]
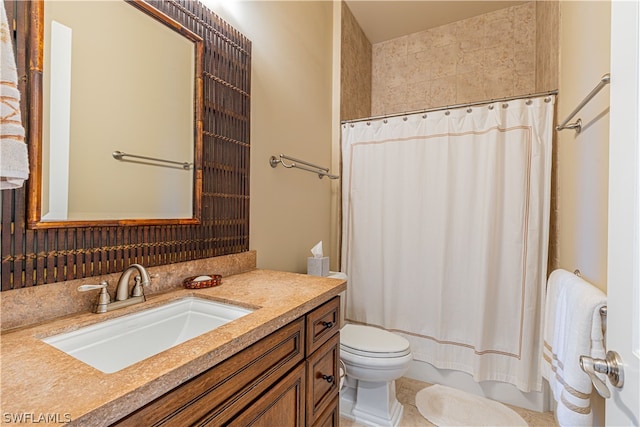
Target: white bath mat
[[446, 406]]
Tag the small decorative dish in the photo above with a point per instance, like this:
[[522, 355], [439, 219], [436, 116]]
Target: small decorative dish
[[199, 282]]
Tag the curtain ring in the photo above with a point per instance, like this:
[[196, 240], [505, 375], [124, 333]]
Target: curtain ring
[[446, 113], [352, 125], [368, 123], [505, 105], [469, 110], [424, 116], [547, 99], [404, 118], [529, 102], [385, 121], [491, 107]]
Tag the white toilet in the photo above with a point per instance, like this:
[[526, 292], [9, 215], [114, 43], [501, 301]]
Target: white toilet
[[373, 359]]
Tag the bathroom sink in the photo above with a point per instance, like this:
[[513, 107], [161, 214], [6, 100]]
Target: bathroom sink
[[117, 343]]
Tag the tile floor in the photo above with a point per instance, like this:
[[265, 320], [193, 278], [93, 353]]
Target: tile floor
[[406, 390]]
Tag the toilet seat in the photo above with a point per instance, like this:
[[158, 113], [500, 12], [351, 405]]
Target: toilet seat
[[368, 341]]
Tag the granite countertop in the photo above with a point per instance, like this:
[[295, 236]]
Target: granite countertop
[[45, 385]]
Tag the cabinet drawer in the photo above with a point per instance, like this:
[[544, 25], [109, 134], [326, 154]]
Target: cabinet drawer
[[228, 387], [323, 377], [322, 324]]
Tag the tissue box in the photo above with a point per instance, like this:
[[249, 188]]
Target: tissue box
[[318, 266]]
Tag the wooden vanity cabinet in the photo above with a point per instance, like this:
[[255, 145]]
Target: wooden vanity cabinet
[[289, 378]]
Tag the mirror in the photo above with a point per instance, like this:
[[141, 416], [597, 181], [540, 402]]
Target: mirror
[[116, 134]]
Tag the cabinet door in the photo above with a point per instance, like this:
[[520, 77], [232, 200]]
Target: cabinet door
[[322, 378], [282, 405]]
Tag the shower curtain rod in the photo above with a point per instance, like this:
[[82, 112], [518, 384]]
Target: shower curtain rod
[[452, 107]]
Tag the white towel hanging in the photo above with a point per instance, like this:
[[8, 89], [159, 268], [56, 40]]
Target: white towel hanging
[[573, 327], [14, 163]]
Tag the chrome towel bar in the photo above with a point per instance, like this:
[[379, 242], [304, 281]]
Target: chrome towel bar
[[301, 164], [603, 309], [577, 125], [119, 155]]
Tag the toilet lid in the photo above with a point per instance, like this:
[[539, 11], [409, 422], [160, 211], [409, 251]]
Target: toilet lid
[[367, 339]]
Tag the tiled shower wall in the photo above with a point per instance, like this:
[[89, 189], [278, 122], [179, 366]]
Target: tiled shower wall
[[355, 64], [485, 57]]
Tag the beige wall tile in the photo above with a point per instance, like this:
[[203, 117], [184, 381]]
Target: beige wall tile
[[443, 90], [499, 28], [469, 33], [395, 47], [444, 35], [469, 86], [418, 95], [396, 71], [419, 66], [499, 83], [470, 61], [443, 61], [524, 83], [356, 74], [500, 57], [419, 42], [547, 45]]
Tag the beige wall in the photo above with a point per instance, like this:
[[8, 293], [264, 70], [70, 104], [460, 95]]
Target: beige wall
[[291, 113], [583, 158], [485, 57]]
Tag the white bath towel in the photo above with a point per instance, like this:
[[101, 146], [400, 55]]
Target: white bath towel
[[14, 163], [573, 327]]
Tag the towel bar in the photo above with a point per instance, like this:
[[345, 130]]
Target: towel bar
[[577, 125], [603, 309], [118, 155], [301, 164]]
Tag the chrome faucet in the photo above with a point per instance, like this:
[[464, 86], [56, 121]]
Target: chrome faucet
[[123, 298]]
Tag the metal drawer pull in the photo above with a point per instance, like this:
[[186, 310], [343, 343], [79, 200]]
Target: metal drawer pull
[[327, 325], [328, 378]]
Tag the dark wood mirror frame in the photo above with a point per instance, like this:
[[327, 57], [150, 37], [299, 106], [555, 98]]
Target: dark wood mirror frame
[[34, 257], [36, 49]]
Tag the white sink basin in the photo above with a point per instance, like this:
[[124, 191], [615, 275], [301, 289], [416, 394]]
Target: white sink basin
[[117, 343]]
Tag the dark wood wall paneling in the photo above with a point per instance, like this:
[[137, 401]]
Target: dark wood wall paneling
[[36, 257]]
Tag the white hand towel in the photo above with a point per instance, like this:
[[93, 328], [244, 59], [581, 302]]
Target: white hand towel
[[14, 163], [572, 328]]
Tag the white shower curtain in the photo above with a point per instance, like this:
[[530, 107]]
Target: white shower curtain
[[445, 233]]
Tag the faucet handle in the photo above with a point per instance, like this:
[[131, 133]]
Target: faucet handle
[[137, 290], [85, 288], [103, 299]]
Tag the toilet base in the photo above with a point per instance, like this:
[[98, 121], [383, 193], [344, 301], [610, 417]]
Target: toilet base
[[370, 403]]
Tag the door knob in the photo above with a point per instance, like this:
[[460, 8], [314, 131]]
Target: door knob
[[611, 366]]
